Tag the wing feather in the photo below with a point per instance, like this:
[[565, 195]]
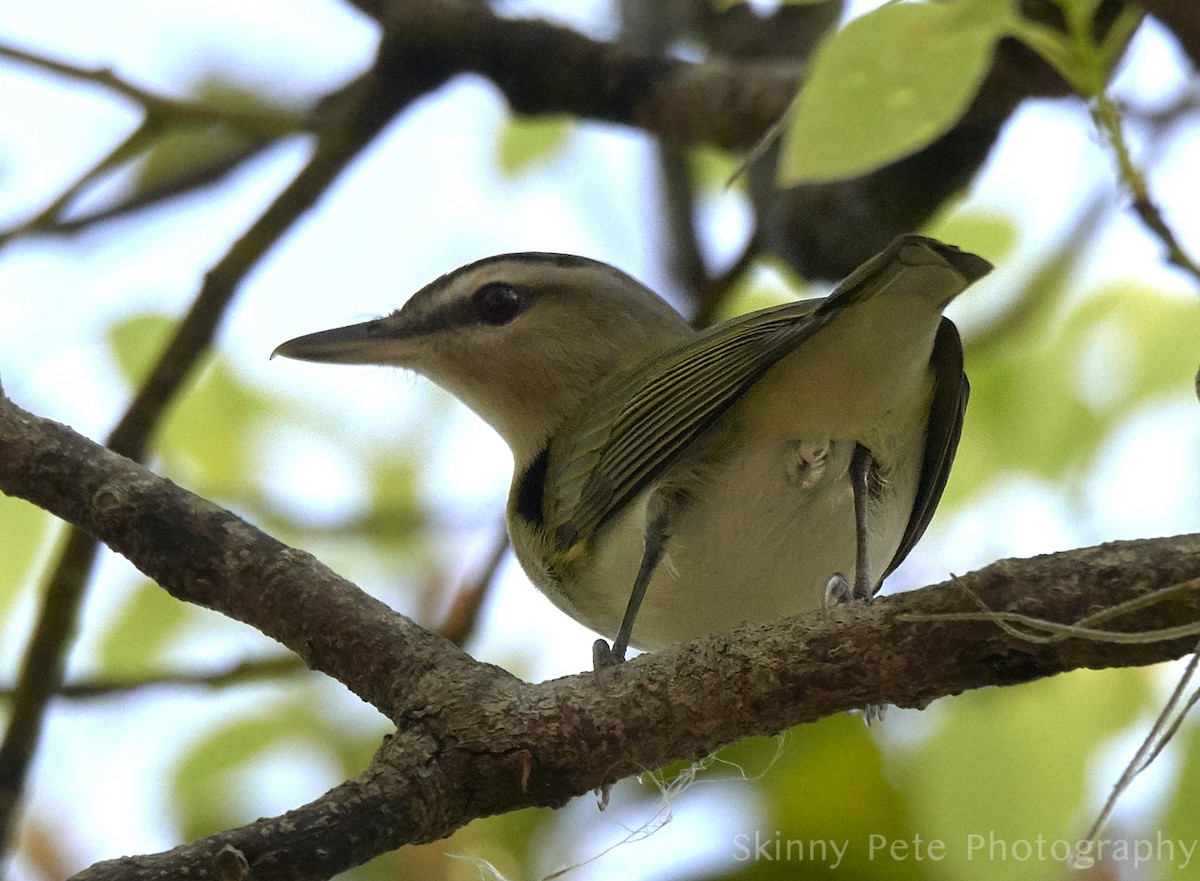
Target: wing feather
[[645, 416], [946, 413]]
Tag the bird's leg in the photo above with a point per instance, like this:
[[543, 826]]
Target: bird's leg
[[658, 531], [838, 589], [861, 464]]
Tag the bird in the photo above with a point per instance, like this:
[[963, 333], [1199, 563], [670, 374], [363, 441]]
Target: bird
[[670, 482]]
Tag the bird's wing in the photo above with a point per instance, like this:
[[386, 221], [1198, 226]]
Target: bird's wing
[[644, 417], [946, 411]]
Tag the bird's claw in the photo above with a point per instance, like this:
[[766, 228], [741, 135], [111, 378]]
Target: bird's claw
[[603, 656], [838, 592]]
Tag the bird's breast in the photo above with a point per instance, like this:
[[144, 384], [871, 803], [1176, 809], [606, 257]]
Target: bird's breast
[[767, 525]]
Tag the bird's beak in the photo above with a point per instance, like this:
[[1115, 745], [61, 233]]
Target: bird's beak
[[366, 343]]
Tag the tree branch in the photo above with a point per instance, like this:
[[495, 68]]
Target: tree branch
[[348, 125], [474, 741], [237, 674], [260, 123], [824, 230]]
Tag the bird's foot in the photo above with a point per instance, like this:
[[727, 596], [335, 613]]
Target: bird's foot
[[838, 592], [603, 656]]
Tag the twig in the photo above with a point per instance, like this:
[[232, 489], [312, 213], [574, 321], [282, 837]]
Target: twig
[[255, 122], [1084, 628], [363, 113], [238, 674], [1149, 749], [161, 114], [145, 198], [1108, 120], [459, 623]]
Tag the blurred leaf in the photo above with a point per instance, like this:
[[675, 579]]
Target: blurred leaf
[[216, 769], [1182, 816], [399, 522], [529, 140], [1157, 336], [879, 89], [212, 436], [770, 283], [722, 5], [136, 343], [710, 168], [185, 151], [1046, 397], [139, 635], [827, 787], [1011, 765], [511, 842], [201, 146], [987, 233], [234, 98], [22, 535]]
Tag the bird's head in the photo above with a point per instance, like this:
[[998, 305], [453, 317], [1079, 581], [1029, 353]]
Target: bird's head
[[520, 338]]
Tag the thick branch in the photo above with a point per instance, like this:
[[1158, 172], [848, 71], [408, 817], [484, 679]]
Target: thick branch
[[347, 128], [474, 741]]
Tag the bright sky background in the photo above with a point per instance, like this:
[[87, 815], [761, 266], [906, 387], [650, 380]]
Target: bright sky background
[[413, 208]]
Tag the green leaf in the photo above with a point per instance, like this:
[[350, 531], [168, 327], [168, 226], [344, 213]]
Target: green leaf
[[185, 151], [710, 168], [143, 632], [977, 230], [216, 769], [825, 784], [725, 5], [1046, 397], [1182, 817], [24, 531], [1069, 381], [1010, 765], [136, 343], [530, 140], [1056, 49], [888, 84]]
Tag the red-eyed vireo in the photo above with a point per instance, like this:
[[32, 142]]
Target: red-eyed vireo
[[671, 482]]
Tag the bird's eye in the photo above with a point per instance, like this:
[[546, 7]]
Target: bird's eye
[[498, 303]]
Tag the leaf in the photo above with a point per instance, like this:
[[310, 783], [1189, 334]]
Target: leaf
[[826, 786], [1011, 766], [186, 151], [725, 5], [143, 632], [221, 771], [530, 140], [711, 169], [888, 84], [21, 545], [1045, 398], [136, 343], [1182, 816], [977, 230], [213, 439]]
